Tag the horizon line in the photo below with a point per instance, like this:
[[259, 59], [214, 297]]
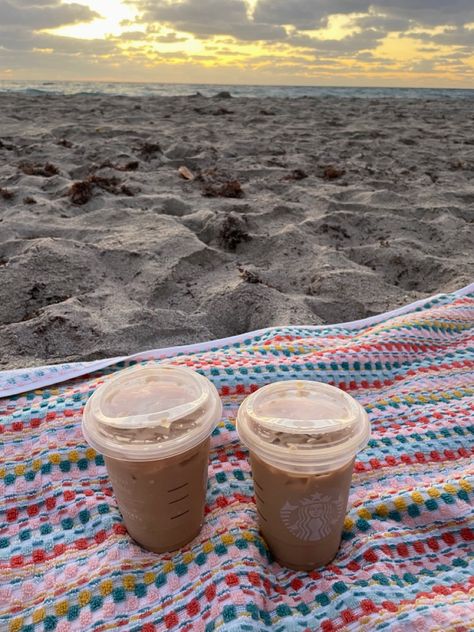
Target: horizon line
[[250, 85]]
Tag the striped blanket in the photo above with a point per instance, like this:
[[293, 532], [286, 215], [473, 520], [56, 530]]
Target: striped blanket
[[407, 555]]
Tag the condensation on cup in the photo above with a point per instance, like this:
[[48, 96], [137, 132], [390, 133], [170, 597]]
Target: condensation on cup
[[302, 437], [153, 426]]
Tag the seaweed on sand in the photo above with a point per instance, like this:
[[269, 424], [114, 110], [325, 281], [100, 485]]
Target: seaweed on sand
[[35, 169], [249, 276], [6, 194], [131, 165], [233, 232], [148, 150], [331, 172], [229, 189], [81, 192], [296, 174], [218, 184]]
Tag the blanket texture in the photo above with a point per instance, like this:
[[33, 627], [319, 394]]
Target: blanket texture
[[407, 555]]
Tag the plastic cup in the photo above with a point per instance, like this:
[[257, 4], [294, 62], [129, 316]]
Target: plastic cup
[[153, 426], [302, 437]]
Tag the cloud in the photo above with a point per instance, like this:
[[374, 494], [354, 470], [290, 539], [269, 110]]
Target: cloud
[[287, 21], [151, 36], [133, 35], [305, 15], [42, 15], [349, 45], [385, 23], [310, 14], [22, 39], [367, 56], [456, 36], [429, 12], [18, 39], [205, 18], [169, 38], [35, 3]]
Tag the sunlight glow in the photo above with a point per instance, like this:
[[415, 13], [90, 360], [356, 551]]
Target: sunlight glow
[[113, 13], [338, 27], [160, 49]]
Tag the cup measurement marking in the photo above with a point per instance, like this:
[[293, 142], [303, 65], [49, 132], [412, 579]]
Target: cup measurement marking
[[183, 513], [261, 514], [257, 495], [177, 500], [176, 488], [258, 485], [172, 502]]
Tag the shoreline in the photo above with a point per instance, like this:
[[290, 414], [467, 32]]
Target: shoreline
[[208, 90]]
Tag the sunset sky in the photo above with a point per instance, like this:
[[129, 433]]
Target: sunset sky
[[312, 42]]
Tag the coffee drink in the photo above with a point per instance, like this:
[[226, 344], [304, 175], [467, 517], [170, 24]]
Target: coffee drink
[[153, 425], [302, 437]]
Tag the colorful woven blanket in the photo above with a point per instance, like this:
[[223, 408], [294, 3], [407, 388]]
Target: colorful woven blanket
[[407, 555]]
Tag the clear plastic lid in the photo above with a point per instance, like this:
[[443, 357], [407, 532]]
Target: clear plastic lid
[[151, 412], [303, 426]]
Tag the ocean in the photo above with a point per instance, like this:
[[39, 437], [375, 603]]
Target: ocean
[[180, 89]]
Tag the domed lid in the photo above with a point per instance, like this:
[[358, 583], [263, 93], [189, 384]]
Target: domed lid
[[151, 412], [302, 426]]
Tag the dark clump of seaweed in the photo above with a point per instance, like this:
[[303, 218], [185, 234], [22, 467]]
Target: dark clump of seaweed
[[233, 232], [35, 169], [149, 150], [217, 184], [335, 230], [249, 276], [132, 165], [229, 189], [6, 194], [331, 173], [126, 190], [107, 184], [296, 174], [81, 192], [64, 142], [7, 146]]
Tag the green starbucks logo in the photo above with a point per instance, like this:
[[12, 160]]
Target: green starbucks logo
[[312, 518]]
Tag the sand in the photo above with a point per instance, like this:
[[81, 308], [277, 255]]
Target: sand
[[338, 209]]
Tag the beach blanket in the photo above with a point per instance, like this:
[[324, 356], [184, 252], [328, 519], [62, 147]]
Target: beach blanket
[[407, 555]]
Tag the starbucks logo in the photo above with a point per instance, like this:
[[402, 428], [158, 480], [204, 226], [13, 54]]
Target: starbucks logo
[[312, 518]]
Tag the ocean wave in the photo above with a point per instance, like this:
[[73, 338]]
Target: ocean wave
[[40, 88]]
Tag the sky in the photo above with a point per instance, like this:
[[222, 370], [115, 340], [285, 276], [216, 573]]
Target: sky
[[297, 42]]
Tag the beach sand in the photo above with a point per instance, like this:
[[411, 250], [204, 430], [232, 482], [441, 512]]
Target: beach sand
[[301, 212]]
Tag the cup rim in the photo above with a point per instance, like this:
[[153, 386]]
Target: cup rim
[[94, 421], [319, 459]]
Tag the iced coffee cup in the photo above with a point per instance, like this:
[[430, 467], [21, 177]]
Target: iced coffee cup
[[302, 437], [153, 426]]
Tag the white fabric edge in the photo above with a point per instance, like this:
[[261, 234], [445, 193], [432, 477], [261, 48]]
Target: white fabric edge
[[82, 368]]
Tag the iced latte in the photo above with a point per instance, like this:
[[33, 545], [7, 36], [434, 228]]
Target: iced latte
[[153, 426], [303, 437]]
